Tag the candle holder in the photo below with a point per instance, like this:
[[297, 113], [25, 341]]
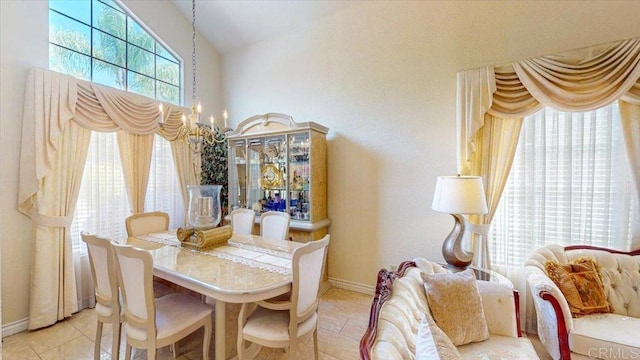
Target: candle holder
[[204, 206]]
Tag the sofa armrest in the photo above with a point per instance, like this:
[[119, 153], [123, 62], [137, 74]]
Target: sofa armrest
[[500, 307], [552, 314]]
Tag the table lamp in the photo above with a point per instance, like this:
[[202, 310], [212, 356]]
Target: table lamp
[[458, 195]]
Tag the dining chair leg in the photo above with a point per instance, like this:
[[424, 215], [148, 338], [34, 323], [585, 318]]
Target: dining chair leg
[[172, 347], [315, 344], [115, 343], [96, 350], [240, 352], [293, 348], [127, 352], [206, 342]]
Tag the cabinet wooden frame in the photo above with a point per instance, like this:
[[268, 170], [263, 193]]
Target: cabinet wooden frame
[[274, 141]]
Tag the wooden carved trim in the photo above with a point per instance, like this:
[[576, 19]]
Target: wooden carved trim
[[563, 335], [384, 287], [516, 300], [588, 247]]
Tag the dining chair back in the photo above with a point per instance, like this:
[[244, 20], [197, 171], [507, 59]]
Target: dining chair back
[[242, 221], [105, 280], [284, 324], [274, 225], [153, 323], [146, 223]]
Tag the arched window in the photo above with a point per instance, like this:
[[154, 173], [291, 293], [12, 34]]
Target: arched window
[[97, 40]]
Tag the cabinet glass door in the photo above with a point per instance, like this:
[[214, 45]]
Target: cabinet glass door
[[268, 173], [299, 176]]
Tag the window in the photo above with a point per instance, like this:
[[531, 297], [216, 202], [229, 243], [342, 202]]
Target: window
[[569, 184], [97, 40]]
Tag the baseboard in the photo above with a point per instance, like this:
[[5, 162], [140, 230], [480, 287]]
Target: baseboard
[[352, 286], [15, 327]]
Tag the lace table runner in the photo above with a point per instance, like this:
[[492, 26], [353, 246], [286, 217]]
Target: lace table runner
[[254, 256], [167, 238], [271, 263], [240, 245]]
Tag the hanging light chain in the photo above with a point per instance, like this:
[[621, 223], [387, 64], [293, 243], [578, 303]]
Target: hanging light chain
[[193, 53]]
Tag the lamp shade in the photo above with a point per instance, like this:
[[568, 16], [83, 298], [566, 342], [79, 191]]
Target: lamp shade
[[460, 195]]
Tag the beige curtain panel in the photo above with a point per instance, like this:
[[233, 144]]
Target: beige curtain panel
[[60, 112], [135, 156], [53, 291]]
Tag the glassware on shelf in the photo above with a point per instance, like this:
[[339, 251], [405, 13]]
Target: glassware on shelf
[[204, 205]]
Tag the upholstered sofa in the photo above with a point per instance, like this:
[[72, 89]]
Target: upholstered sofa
[[400, 302], [614, 335]]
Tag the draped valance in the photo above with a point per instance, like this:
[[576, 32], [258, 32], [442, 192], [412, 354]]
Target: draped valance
[[52, 99], [578, 80]]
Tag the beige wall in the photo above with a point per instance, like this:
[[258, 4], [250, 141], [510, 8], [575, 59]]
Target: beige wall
[[24, 43], [382, 77]]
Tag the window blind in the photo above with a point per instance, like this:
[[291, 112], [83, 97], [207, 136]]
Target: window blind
[[569, 184]]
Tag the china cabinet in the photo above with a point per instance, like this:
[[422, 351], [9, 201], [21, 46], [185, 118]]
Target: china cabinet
[[277, 164]]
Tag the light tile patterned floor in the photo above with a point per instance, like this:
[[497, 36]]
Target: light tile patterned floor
[[343, 317]]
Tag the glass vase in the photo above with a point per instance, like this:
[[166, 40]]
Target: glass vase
[[204, 205]]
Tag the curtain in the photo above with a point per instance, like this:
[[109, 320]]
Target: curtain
[[186, 170], [51, 163], [135, 155], [475, 89], [630, 116], [578, 80], [492, 158], [53, 285]]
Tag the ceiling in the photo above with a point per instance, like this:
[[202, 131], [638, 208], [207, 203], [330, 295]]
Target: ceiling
[[232, 24]]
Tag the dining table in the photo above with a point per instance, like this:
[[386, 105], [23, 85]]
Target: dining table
[[247, 268]]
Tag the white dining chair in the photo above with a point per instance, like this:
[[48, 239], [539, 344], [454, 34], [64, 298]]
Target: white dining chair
[[274, 225], [242, 221], [153, 323], [105, 280], [147, 223], [284, 324]]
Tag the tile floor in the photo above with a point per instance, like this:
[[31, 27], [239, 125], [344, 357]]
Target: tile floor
[[343, 317]]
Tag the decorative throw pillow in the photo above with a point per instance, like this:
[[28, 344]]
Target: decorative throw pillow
[[432, 343], [581, 284], [456, 306]]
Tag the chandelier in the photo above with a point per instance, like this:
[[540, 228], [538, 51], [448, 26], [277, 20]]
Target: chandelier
[[193, 131]]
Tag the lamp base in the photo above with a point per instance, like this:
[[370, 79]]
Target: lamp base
[[452, 250]]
